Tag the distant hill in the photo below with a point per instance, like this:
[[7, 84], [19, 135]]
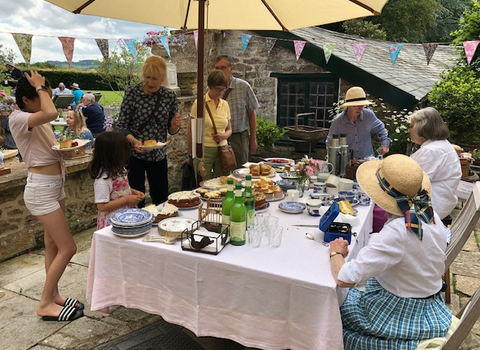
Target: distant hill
[[81, 65]]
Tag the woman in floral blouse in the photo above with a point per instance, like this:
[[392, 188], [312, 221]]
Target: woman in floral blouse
[[138, 124]]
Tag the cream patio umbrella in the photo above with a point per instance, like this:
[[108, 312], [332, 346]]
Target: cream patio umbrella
[[281, 15]]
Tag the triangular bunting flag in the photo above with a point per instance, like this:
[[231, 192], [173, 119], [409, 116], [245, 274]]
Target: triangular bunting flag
[[24, 43], [245, 40], [195, 37], [130, 44], [270, 44], [68, 46], [429, 49], [470, 48], [103, 46], [164, 40], [359, 50], [327, 50], [298, 45], [394, 50]]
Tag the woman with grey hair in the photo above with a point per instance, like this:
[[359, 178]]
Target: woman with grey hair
[[437, 157]]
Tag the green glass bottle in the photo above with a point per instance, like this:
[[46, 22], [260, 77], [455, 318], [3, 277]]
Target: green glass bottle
[[227, 203], [249, 200], [238, 218]]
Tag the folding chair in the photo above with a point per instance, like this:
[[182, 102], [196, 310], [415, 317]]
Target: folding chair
[[62, 101], [468, 316], [459, 330], [462, 228]]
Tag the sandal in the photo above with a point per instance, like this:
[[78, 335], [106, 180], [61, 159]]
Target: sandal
[[73, 303], [68, 313]]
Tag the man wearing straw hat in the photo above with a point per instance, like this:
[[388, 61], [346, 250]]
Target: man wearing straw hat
[[358, 123], [400, 303]]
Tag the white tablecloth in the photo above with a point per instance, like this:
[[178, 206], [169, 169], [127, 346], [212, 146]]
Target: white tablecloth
[[269, 298]]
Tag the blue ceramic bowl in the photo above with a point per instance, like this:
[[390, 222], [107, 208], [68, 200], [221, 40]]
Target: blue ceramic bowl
[[287, 184], [346, 195]]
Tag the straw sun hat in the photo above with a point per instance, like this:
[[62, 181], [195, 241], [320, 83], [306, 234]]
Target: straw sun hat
[[401, 172], [355, 97]]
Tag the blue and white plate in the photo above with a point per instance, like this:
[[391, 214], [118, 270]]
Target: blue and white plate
[[354, 203], [131, 217], [292, 207], [288, 175], [131, 232]]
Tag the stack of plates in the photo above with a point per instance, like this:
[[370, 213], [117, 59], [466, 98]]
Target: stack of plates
[[131, 222]]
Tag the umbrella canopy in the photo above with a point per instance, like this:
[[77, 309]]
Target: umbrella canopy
[[228, 14], [225, 14]]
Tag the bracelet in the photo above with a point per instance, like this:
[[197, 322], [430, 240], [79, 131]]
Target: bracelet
[[337, 253], [132, 141]]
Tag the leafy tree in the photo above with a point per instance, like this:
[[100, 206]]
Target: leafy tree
[[408, 20], [365, 29], [447, 18], [121, 70], [456, 96], [6, 55]]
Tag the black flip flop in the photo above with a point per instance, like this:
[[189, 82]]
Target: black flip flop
[[73, 302], [68, 313]]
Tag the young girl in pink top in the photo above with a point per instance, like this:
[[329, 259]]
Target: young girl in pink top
[[44, 194], [112, 190]]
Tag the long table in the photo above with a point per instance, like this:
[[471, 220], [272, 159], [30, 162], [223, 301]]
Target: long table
[[268, 298]]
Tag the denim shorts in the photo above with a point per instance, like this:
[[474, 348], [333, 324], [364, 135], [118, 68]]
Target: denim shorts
[[43, 193]]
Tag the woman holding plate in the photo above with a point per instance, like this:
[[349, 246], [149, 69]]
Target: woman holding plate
[[148, 112]]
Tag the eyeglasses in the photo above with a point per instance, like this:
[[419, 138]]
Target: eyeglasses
[[221, 67], [220, 89]]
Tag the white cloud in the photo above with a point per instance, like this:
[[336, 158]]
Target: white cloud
[[47, 22]]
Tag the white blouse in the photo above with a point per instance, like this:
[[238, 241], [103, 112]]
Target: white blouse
[[440, 161], [402, 263]]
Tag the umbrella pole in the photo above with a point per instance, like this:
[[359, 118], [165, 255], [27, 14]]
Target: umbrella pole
[[200, 95]]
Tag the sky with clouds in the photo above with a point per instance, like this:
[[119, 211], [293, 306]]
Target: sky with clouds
[[47, 22]]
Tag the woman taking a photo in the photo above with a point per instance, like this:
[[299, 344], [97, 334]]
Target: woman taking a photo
[[218, 109], [149, 110], [44, 193]]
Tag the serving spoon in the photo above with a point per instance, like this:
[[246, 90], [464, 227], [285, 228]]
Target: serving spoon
[[309, 236]]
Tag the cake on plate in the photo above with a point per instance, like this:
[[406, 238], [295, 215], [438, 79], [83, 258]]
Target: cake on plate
[[67, 143], [185, 199], [168, 211], [260, 201], [149, 143]]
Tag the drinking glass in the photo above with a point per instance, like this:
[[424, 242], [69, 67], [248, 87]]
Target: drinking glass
[[275, 237], [272, 225], [254, 236]]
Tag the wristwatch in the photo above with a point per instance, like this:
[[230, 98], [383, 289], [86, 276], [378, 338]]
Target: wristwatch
[[337, 253], [41, 87]]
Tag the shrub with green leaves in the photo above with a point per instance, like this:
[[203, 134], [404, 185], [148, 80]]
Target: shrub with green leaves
[[268, 132]]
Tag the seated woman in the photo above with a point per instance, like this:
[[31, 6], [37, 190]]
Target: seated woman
[[77, 128], [402, 267], [437, 157], [217, 109]]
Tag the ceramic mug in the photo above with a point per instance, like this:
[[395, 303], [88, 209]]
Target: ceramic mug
[[332, 181], [345, 185], [292, 195], [322, 177], [363, 199], [332, 190], [319, 187], [327, 167], [347, 195]]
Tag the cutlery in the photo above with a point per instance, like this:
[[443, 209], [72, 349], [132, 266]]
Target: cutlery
[[306, 225], [166, 240], [309, 236]]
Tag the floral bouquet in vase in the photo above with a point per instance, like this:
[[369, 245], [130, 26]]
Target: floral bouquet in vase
[[304, 169]]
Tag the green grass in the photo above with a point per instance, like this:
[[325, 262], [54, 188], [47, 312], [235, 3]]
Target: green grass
[[111, 97]]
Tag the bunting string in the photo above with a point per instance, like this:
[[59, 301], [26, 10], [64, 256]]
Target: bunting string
[[24, 43]]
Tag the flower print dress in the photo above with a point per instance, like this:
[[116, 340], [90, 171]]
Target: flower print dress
[[107, 190]]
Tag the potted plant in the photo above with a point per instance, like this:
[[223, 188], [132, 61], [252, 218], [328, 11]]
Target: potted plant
[[268, 133], [476, 156]]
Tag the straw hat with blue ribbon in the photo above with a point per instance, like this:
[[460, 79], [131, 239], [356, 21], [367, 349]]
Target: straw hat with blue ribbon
[[399, 186]]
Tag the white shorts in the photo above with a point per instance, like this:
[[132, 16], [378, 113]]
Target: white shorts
[[43, 193]]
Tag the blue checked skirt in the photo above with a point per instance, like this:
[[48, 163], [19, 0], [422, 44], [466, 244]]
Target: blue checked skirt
[[377, 319]]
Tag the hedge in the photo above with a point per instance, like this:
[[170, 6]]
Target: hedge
[[87, 80]]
